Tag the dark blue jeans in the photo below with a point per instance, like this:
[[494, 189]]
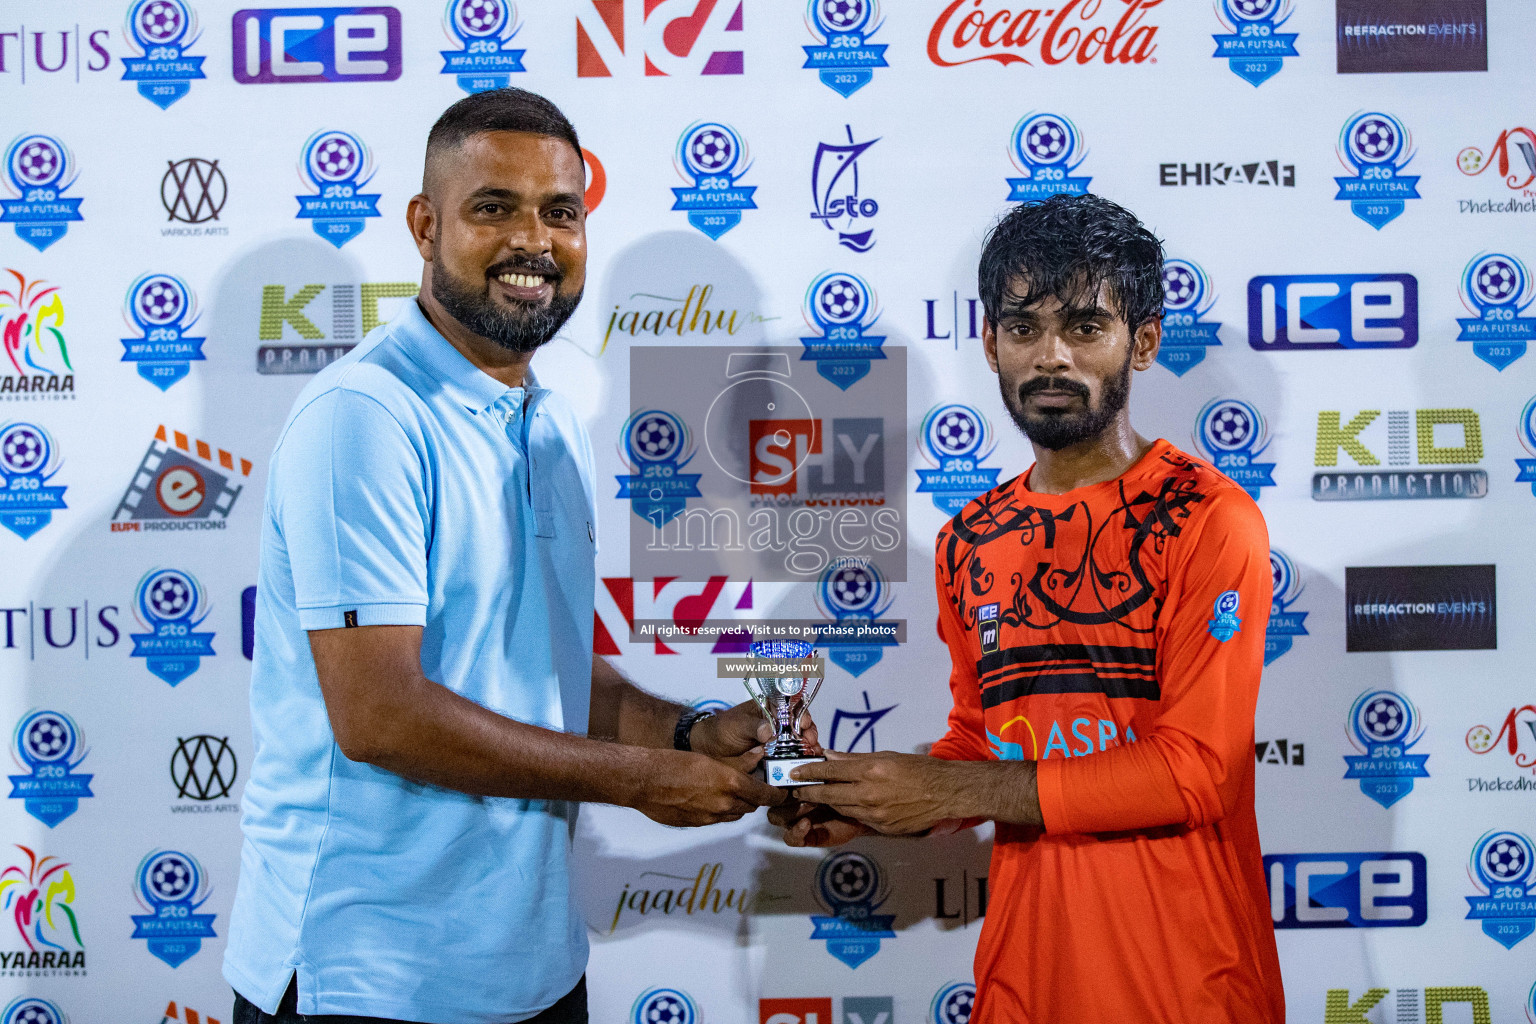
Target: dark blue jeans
[[571, 1009]]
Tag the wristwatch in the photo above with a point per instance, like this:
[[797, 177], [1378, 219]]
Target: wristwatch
[[681, 736]]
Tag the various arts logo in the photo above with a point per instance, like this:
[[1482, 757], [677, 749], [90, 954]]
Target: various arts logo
[[1233, 434], [287, 45], [957, 439], [664, 1006], [1332, 312], [1187, 297], [1347, 890], [714, 158], [842, 307], [193, 191], [483, 29], [182, 483], [852, 886], [1430, 433], [170, 605], [1384, 726], [844, 59], [1253, 49], [172, 886], [853, 593], [30, 1010], [1284, 625], [1046, 148], [49, 746], [665, 37], [35, 348], [28, 460], [1503, 867], [338, 166], [953, 1004], [860, 727], [835, 188], [41, 899], [1497, 289], [1376, 147], [41, 169], [161, 31], [204, 769], [354, 312], [163, 308], [1077, 31], [657, 445]]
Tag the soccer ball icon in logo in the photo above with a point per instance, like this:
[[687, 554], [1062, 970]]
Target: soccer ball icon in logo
[[1183, 285], [23, 449], [1383, 718], [37, 161], [853, 588], [1252, 10], [953, 1003], [47, 737], [836, 16], [168, 596], [848, 878], [841, 299], [954, 432], [159, 300], [1047, 140], [711, 149], [655, 436], [158, 22], [1497, 280], [1228, 425], [1374, 139], [334, 156], [32, 1011], [170, 878], [1504, 858], [479, 18], [664, 1006]]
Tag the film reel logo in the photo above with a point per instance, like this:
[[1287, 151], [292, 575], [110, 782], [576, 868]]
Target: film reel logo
[[852, 886], [957, 439], [657, 445], [172, 885], [1046, 148], [28, 460], [163, 308], [181, 484], [844, 60], [1385, 726], [482, 28], [1376, 147], [1252, 47], [337, 166], [1187, 297], [1497, 288], [49, 747], [40, 169], [162, 30], [664, 1006], [1233, 434], [842, 307], [714, 157], [1284, 625], [853, 593], [1503, 867], [170, 604]]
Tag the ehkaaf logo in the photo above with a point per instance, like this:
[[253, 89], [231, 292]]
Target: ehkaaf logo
[[835, 186], [172, 886], [1284, 625], [40, 895], [161, 31], [483, 29], [30, 1010], [338, 166], [1341, 1010], [1421, 608], [1384, 726], [40, 169], [1496, 289], [291, 330], [1187, 297], [1518, 172], [1331, 312], [664, 37], [852, 886], [316, 44], [49, 746], [1283, 752], [1046, 148], [170, 605], [1253, 49], [1238, 172], [844, 59], [1419, 35], [182, 483], [1077, 31], [1376, 147], [163, 309], [842, 307], [664, 1006], [28, 460], [1347, 890], [1503, 867], [1427, 437], [37, 366], [713, 157], [1233, 434], [193, 191]]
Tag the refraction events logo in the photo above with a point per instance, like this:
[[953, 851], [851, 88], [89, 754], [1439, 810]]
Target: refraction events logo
[[844, 59], [172, 886], [1497, 289], [161, 31], [1233, 434], [1384, 726], [1503, 868], [163, 308], [713, 156], [842, 307], [29, 458], [664, 37], [1411, 36], [1187, 297], [1421, 608], [40, 896], [338, 167], [1376, 147], [835, 187], [483, 29], [40, 169], [37, 365], [182, 483], [49, 746], [852, 886], [1046, 148], [1076, 31], [1252, 48], [956, 439], [170, 604], [277, 46]]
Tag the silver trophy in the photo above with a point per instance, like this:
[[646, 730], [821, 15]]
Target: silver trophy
[[783, 699]]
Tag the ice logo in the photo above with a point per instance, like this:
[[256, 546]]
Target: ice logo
[[957, 439], [49, 746], [1284, 625], [842, 307], [953, 1003], [171, 886], [714, 158], [161, 31], [664, 1006], [28, 460], [852, 593], [1384, 726], [41, 169], [844, 60], [1376, 147], [30, 1010], [337, 165], [1253, 49], [657, 445], [1502, 867], [1233, 435], [1186, 298], [1497, 288], [852, 886], [170, 604], [1046, 148], [483, 28], [163, 308]]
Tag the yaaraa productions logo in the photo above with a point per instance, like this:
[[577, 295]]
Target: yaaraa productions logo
[[953, 1004], [835, 186], [1497, 288], [1253, 49], [1424, 431], [665, 1006], [656, 446], [1421, 608], [49, 746], [1412, 35], [957, 439], [844, 59], [1376, 147], [714, 158], [31, 1010], [289, 45], [193, 191], [286, 316], [1284, 625], [1518, 176], [338, 166], [1071, 32], [483, 29], [1232, 434], [171, 886], [170, 605], [164, 309], [37, 367], [1046, 148], [1186, 298], [842, 307], [1384, 726], [41, 895], [1332, 312], [161, 31], [182, 483], [852, 886], [41, 169], [28, 460], [660, 37], [1503, 867], [853, 594], [1348, 890]]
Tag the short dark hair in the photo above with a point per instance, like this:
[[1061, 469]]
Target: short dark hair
[[499, 110], [1067, 246]]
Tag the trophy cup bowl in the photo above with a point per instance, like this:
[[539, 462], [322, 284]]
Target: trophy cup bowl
[[783, 699]]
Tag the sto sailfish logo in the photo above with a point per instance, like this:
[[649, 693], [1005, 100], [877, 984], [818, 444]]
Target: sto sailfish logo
[[162, 30], [835, 189], [163, 309], [338, 167], [483, 28], [170, 604], [172, 886]]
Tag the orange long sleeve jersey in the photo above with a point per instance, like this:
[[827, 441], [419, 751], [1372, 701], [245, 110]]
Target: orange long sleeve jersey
[[1115, 635]]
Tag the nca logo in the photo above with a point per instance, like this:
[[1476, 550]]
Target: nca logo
[[1325, 312], [316, 44], [845, 465], [620, 603], [667, 37], [1081, 31]]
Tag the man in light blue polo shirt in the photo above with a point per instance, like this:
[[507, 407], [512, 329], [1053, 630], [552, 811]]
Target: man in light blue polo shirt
[[423, 689]]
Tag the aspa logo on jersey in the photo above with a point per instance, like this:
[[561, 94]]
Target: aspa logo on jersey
[[161, 31], [854, 594], [1497, 289], [953, 1004], [30, 1010], [1187, 297], [852, 886], [338, 166], [1284, 625], [182, 483], [172, 886], [1046, 148], [957, 439], [483, 30], [170, 605], [1518, 172], [1233, 434], [28, 460], [40, 893], [287, 45], [354, 312], [835, 186], [1503, 868], [1347, 890], [1429, 433], [37, 366], [1376, 147], [842, 307], [665, 37], [1332, 312], [1253, 49], [1078, 31], [1384, 726], [41, 169], [713, 157], [664, 1006], [657, 445], [844, 59], [163, 309], [49, 746], [1008, 744]]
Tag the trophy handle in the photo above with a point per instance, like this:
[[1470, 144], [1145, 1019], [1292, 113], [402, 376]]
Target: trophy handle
[[758, 699]]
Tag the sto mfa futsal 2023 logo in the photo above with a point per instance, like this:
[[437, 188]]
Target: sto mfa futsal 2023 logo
[[28, 460], [163, 308], [338, 166], [1253, 49], [171, 886], [1497, 288], [482, 28], [170, 605], [1376, 147], [714, 157], [161, 30], [1186, 298], [50, 746], [40, 169], [844, 60], [1046, 148]]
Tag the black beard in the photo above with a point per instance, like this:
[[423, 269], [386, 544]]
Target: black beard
[[520, 327], [1054, 431]]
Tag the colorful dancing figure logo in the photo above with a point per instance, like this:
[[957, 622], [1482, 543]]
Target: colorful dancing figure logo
[[953, 1004], [1376, 147], [170, 604], [338, 165], [1253, 49], [1046, 148], [1186, 298], [657, 445], [1497, 289], [1284, 625], [163, 308], [171, 886], [161, 30], [852, 886], [957, 439], [41, 901], [41, 169], [28, 460], [1527, 435], [1504, 867], [1384, 726], [49, 746], [29, 1010], [845, 60], [33, 314], [851, 592], [1233, 435], [483, 28], [664, 1006], [835, 187], [714, 157], [842, 306]]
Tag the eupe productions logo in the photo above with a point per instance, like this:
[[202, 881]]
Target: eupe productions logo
[[1503, 867], [714, 158], [170, 605], [1046, 148], [665, 37], [204, 769], [172, 886], [842, 307], [844, 59], [161, 31], [953, 1004], [1339, 1009], [1186, 298], [835, 186], [1284, 625], [1332, 312], [37, 366], [30, 1010], [1376, 147], [290, 45], [957, 439], [28, 460], [1233, 434], [164, 309], [41, 898], [1347, 890], [1252, 47], [49, 746], [338, 166], [1384, 726], [193, 191], [1411, 436], [852, 886], [853, 594], [1076, 31], [40, 169], [483, 30], [1518, 175], [1496, 289], [354, 312], [182, 483], [656, 445], [664, 1006]]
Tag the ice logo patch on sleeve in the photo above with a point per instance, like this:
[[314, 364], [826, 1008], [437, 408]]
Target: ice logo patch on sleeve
[[1225, 624]]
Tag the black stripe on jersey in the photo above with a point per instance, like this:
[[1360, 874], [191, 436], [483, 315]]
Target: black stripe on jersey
[[1038, 653], [1069, 682]]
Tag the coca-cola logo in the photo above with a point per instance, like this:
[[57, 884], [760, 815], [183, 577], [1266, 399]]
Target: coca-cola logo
[[1080, 31]]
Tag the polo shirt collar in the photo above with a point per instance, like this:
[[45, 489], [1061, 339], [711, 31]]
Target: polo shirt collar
[[469, 385]]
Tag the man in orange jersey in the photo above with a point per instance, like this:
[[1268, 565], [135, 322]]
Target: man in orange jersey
[[1105, 617]]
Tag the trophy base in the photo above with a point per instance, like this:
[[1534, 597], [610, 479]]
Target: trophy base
[[775, 771]]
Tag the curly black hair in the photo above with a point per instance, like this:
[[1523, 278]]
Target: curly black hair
[[1067, 246]]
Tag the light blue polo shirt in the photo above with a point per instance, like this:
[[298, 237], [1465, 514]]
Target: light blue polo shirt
[[410, 488]]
